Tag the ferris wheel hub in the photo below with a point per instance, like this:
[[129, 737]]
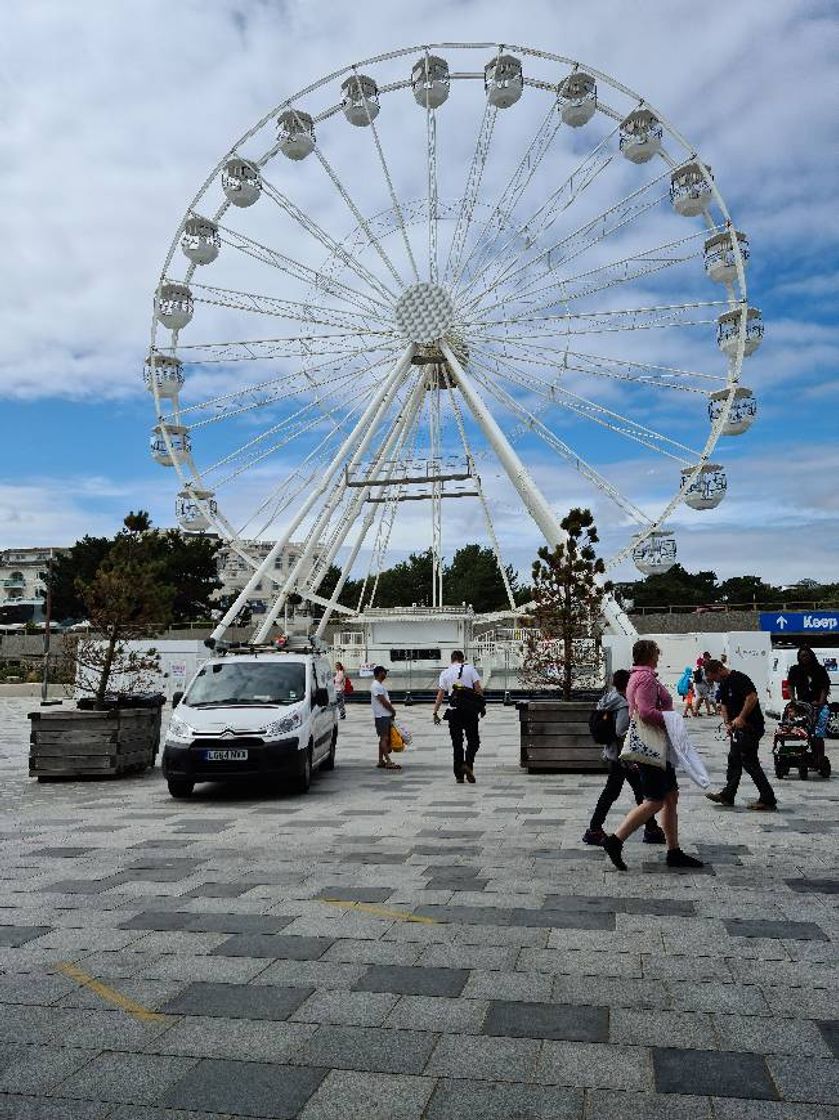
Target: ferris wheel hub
[[424, 312]]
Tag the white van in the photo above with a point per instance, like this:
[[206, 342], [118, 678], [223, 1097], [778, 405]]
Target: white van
[[778, 693], [254, 714]]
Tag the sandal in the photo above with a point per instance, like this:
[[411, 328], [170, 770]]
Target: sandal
[[391, 765]]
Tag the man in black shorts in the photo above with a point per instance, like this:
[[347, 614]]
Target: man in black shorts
[[743, 719]]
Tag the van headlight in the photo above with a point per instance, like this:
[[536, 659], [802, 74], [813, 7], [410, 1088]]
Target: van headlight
[[283, 726], [179, 731]]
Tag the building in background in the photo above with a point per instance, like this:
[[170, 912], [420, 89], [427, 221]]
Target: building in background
[[23, 583], [234, 572]]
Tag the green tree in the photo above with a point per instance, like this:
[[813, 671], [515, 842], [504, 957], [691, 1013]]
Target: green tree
[[405, 583], [675, 587], [747, 589], [473, 577], [568, 600]]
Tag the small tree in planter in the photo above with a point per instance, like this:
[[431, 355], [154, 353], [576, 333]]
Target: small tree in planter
[[568, 600]]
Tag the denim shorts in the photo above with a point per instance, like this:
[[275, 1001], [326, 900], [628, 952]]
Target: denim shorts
[[383, 724], [656, 783]]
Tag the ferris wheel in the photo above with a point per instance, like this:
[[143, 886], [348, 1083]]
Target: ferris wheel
[[438, 274]]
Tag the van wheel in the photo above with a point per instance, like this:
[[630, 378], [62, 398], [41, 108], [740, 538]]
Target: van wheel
[[824, 768], [304, 772], [329, 762], [781, 769], [180, 789], [803, 773]]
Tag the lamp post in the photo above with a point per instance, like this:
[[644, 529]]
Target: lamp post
[[45, 675]]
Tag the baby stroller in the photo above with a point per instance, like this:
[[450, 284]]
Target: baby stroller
[[792, 747]]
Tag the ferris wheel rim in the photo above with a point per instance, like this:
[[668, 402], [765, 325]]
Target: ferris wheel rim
[[193, 479]]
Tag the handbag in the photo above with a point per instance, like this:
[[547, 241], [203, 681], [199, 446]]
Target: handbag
[[645, 743], [348, 688]]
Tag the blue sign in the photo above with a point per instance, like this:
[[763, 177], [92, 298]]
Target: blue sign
[[800, 622]]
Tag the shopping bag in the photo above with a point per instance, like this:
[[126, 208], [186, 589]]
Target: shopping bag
[[397, 743], [404, 731], [348, 688], [687, 757], [645, 743]]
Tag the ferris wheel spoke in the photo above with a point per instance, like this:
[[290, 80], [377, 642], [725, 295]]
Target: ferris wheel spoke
[[498, 219], [316, 278], [359, 217], [287, 309], [633, 267], [336, 250], [624, 319], [433, 212], [538, 223], [588, 409], [260, 349], [563, 449], [616, 369], [470, 193], [580, 240]]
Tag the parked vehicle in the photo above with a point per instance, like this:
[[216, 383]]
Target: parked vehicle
[[253, 714], [778, 692]]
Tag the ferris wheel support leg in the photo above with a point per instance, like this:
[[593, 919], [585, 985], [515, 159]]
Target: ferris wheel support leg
[[363, 430], [534, 501], [400, 425], [384, 400]]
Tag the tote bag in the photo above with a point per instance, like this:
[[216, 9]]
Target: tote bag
[[644, 743]]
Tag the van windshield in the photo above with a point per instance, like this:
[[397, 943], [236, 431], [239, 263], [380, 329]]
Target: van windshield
[[247, 682]]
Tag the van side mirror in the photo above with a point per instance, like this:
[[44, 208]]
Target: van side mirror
[[177, 697], [321, 698]]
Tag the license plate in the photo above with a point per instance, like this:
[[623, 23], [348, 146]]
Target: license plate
[[226, 756]]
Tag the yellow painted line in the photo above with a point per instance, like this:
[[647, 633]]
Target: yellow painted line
[[381, 912], [110, 995]]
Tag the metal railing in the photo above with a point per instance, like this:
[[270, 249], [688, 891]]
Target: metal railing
[[726, 608]]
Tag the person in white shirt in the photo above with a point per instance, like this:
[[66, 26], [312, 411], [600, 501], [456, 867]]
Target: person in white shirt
[[466, 706], [383, 713]]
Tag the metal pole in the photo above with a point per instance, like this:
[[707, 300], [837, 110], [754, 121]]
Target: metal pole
[[45, 677]]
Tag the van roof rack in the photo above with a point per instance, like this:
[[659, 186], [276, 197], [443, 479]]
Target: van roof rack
[[291, 643]]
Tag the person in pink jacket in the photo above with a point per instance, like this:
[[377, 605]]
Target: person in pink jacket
[[648, 698]]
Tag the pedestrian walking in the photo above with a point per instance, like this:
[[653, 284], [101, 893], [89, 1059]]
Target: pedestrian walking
[[743, 719], [614, 701], [810, 681], [383, 715], [462, 683], [340, 680], [647, 699], [702, 687]]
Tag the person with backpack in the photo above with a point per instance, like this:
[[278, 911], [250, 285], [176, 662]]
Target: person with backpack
[[466, 707], [608, 724], [703, 688]]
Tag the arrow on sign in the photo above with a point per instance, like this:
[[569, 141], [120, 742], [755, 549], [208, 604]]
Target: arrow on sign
[[781, 621]]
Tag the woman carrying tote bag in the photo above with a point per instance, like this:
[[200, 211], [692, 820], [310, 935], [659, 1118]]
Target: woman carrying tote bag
[[647, 746]]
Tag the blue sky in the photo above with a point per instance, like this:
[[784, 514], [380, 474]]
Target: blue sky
[[115, 114]]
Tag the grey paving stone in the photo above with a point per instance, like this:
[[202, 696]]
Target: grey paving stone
[[37, 1068], [517, 1019], [464, 1100], [442, 883], [14, 1107], [127, 1078], [208, 923], [805, 1079], [829, 1029], [274, 946], [245, 1088], [705, 1072], [367, 1048], [147, 1112], [734, 998], [246, 1040], [101, 1029], [519, 916], [484, 1058], [217, 890], [726, 1108], [351, 950], [457, 955], [688, 1030], [345, 1094], [318, 974], [765, 1034], [593, 1065], [532, 986], [437, 1013], [237, 1001], [604, 1104], [15, 936], [357, 894], [360, 1009], [411, 980], [749, 927], [813, 886]]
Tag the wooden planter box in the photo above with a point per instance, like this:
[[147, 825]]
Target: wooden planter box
[[555, 736], [73, 744]]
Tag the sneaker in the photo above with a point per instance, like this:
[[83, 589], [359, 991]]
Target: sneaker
[[594, 836], [654, 835], [763, 806], [677, 858], [720, 799], [470, 774], [613, 847]]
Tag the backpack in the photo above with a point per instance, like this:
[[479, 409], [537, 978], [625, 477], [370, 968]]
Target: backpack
[[683, 687], [698, 675], [603, 726]]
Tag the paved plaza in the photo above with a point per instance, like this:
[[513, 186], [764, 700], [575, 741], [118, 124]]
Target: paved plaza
[[395, 946]]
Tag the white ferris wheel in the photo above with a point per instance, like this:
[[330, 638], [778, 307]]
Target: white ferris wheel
[[425, 277]]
